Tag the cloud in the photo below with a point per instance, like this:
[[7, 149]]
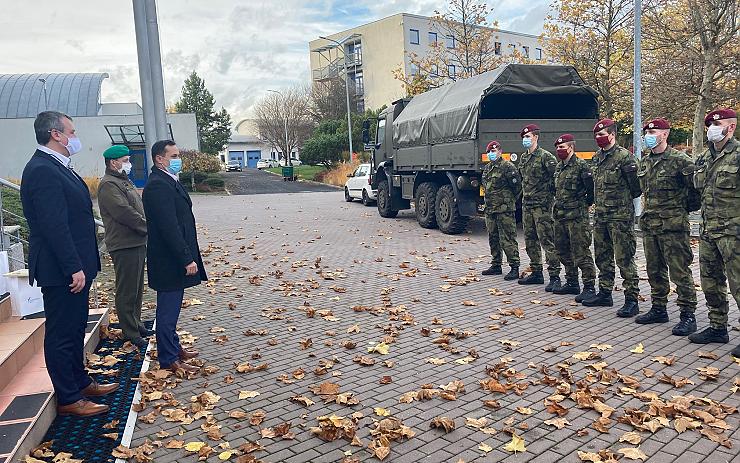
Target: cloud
[[240, 48]]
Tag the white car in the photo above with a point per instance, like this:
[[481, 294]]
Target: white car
[[266, 163], [293, 161], [358, 186]]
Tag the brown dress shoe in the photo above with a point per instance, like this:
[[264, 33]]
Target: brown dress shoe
[[96, 390], [182, 366], [82, 408], [188, 354]]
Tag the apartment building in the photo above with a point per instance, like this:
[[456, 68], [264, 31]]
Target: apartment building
[[372, 51]]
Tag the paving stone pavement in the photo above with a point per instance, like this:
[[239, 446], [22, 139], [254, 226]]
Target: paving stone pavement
[[281, 238]]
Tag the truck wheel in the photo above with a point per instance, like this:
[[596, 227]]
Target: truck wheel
[[347, 197], [425, 201], [449, 219], [384, 200]]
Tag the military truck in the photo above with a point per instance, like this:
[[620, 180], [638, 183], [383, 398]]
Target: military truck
[[429, 149]]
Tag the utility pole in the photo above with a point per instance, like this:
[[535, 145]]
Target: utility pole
[[155, 65], [637, 101], [346, 89]]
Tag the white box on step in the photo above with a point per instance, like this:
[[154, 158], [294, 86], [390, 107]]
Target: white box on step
[[24, 298]]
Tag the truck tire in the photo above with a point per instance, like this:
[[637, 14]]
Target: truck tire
[[425, 204], [384, 200], [448, 217]]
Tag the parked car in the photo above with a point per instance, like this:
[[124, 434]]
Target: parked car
[[266, 164], [234, 165], [359, 186], [293, 161]]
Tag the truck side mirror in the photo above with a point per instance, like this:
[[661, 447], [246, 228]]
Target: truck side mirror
[[365, 131]]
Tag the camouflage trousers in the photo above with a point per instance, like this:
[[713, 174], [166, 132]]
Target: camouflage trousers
[[669, 253], [616, 241], [501, 228], [573, 243], [538, 231], [719, 262]]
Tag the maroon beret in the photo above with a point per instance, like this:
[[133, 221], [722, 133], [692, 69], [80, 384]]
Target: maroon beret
[[529, 128], [602, 124], [718, 114], [657, 123], [493, 144], [564, 138]]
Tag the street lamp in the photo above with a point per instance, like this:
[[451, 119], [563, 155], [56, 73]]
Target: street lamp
[[637, 100], [346, 89], [287, 148]]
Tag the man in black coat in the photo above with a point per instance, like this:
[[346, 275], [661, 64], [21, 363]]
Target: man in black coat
[[173, 256], [63, 259]]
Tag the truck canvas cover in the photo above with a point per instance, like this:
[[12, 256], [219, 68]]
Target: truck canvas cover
[[450, 113]]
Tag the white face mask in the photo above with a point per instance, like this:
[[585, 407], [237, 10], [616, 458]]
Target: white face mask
[[126, 168], [715, 133]]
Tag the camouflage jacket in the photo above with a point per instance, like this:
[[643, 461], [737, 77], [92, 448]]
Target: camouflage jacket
[[574, 187], [615, 184], [666, 190], [502, 185], [538, 177], [718, 181]]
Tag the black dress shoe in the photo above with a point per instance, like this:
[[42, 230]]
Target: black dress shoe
[[629, 309], [553, 284], [534, 278], [588, 292], [710, 335], [686, 325], [736, 352], [570, 287], [602, 299], [654, 315], [513, 273], [145, 333], [493, 270]]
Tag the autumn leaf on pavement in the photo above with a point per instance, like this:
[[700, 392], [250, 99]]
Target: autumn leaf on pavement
[[443, 422], [559, 423], [469, 303], [516, 444], [380, 411], [381, 348], [194, 446], [248, 394], [631, 437], [633, 453], [664, 360], [639, 349], [485, 447], [590, 456]]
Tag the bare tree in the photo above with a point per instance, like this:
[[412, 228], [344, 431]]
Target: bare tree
[[283, 119], [329, 100]]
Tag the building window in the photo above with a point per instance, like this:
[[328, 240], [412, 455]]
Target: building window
[[414, 69], [432, 38], [434, 69], [359, 84], [497, 48], [451, 70], [450, 41], [414, 36], [526, 51], [538, 52]]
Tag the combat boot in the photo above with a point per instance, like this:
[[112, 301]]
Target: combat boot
[[629, 309], [588, 292], [686, 325], [570, 287], [513, 273], [534, 278], [493, 270], [654, 315], [710, 335], [553, 284], [736, 352], [603, 299]]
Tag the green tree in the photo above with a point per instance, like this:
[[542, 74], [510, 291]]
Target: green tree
[[324, 149], [214, 127]]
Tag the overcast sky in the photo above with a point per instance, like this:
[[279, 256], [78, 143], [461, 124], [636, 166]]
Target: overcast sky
[[240, 47]]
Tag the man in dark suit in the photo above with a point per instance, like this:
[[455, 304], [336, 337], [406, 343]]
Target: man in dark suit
[[173, 256], [63, 259]]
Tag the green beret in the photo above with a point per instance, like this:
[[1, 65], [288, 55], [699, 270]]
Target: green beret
[[115, 152]]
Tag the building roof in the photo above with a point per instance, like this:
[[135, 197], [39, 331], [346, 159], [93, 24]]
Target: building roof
[[75, 94]]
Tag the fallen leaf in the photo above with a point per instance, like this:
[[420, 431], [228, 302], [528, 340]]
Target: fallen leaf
[[485, 447], [631, 437], [559, 423], [633, 453], [664, 360], [248, 394], [516, 444], [639, 349], [381, 411], [381, 348], [590, 456], [443, 422], [194, 446]]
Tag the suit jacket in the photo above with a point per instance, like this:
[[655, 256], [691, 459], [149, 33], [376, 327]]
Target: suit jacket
[[58, 208], [172, 242]]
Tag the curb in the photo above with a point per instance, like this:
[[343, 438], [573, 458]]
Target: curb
[[307, 181]]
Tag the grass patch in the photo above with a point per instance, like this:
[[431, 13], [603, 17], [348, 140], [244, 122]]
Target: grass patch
[[303, 172], [12, 204]]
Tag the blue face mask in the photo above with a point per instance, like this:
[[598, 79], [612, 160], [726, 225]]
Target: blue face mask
[[651, 141], [492, 155], [175, 166], [526, 142]]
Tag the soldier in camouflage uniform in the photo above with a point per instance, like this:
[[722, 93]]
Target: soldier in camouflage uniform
[[669, 196], [574, 192], [717, 178], [502, 186], [537, 168], [615, 186]]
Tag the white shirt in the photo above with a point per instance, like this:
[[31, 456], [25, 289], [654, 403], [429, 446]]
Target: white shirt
[[64, 160], [170, 174]]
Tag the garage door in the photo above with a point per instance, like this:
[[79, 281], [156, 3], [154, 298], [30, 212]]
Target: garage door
[[237, 156], [253, 157]]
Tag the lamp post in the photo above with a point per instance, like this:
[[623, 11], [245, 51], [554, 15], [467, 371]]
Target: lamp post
[[46, 99], [346, 89], [285, 122], [637, 101]]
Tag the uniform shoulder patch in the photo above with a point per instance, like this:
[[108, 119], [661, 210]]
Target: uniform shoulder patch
[[514, 157]]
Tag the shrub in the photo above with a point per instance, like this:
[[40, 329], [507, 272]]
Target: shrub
[[92, 184], [338, 175], [200, 162], [215, 183], [186, 177]]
